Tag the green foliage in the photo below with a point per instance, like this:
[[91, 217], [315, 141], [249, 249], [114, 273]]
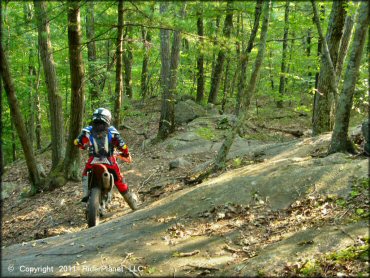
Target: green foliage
[[359, 252], [20, 39], [311, 269], [205, 133]]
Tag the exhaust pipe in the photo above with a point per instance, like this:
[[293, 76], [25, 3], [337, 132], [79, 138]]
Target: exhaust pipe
[[106, 180]]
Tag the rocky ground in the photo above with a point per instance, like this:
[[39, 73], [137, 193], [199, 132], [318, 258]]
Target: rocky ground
[[282, 207]]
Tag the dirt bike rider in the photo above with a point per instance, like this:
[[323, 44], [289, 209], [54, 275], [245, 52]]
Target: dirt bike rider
[[101, 138]]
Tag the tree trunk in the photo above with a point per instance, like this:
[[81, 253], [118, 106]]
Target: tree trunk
[[225, 148], [340, 141], [226, 86], [145, 72], [344, 44], [37, 105], [283, 78], [270, 70], [55, 100], [91, 56], [308, 50], [119, 80], [166, 123], [72, 160], [200, 60], [167, 119], [35, 172], [327, 85], [245, 57], [14, 145], [128, 57], [216, 78], [319, 52], [215, 38], [28, 15]]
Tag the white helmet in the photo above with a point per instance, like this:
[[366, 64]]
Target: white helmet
[[103, 115]]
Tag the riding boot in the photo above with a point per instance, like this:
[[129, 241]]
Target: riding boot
[[85, 189], [131, 199]]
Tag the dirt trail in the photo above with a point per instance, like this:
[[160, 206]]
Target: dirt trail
[[277, 204]]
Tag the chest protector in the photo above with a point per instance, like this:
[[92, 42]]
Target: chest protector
[[101, 143]]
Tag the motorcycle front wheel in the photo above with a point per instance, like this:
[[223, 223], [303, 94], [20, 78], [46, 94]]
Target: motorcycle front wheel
[[93, 216]]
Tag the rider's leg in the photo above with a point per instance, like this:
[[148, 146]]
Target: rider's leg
[[85, 180], [130, 197]]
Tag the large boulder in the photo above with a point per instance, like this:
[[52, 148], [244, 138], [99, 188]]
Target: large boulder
[[179, 163], [186, 111]]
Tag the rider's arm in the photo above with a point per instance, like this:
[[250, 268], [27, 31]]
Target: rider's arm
[[83, 139], [119, 143]]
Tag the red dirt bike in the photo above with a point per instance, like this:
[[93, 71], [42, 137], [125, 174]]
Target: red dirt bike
[[100, 182]]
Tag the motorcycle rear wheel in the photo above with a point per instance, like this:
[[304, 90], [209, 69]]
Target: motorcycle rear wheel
[[93, 216]]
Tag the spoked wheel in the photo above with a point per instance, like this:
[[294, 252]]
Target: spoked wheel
[[93, 216]]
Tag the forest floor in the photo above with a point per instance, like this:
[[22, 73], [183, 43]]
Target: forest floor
[[281, 207]]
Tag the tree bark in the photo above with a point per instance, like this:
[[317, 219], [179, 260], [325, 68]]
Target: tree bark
[[319, 52], [55, 100], [35, 173], [91, 56], [344, 44], [245, 57], [119, 80], [225, 148], [145, 72], [167, 119], [340, 141], [128, 57], [216, 78], [200, 60], [327, 85], [72, 159], [166, 123], [37, 106], [226, 85], [283, 68]]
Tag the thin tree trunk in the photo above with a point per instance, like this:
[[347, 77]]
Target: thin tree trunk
[[55, 100], [216, 78], [319, 52], [245, 57], [283, 78], [144, 72], [35, 172], [340, 141], [14, 145], [308, 50], [270, 70], [128, 57], [72, 159], [37, 105], [225, 148], [200, 60], [119, 80], [289, 65], [91, 56], [214, 58], [28, 15], [239, 29], [226, 86], [32, 96], [327, 85]]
